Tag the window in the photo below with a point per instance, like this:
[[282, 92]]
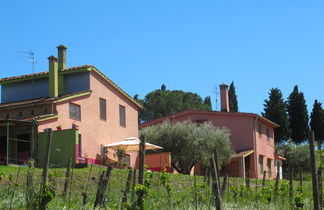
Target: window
[[260, 129], [75, 111], [268, 134], [103, 110], [122, 116], [261, 163], [80, 146], [269, 167]]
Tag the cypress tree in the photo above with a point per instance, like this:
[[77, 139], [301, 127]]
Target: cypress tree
[[275, 110], [317, 120], [233, 104], [207, 101], [298, 116]]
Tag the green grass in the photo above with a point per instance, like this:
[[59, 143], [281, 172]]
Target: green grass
[[184, 194]]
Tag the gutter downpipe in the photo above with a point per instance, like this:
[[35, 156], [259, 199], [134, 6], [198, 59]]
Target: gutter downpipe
[[255, 148], [8, 130]]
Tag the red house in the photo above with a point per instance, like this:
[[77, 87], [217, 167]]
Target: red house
[[252, 138]]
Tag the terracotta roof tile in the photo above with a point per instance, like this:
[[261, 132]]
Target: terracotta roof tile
[[37, 100], [44, 73], [23, 76], [72, 69], [191, 111]]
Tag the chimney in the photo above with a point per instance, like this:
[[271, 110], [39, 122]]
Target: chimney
[[224, 97], [53, 76], [61, 53]]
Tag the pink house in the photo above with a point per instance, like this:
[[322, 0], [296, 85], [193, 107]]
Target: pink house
[[78, 102], [252, 138]]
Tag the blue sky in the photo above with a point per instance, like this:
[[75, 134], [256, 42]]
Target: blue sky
[[187, 45]]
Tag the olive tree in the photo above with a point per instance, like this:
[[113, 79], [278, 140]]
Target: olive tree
[[190, 143], [297, 157]]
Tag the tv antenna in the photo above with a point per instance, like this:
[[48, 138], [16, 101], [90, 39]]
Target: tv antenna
[[30, 55], [217, 95]]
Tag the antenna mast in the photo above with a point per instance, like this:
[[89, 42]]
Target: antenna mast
[[31, 59], [217, 94]]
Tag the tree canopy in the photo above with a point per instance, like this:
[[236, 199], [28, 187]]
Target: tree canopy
[[163, 102], [190, 143], [233, 104], [297, 115], [275, 110], [297, 158], [317, 120]]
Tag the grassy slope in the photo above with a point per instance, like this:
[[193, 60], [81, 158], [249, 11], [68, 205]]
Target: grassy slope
[[183, 192]]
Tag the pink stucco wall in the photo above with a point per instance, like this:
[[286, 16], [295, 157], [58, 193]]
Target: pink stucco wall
[[266, 148], [244, 136], [94, 131], [240, 127]]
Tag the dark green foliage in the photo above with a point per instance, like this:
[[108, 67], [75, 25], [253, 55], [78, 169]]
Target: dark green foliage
[[298, 116], [317, 121], [189, 142], [233, 104], [163, 87], [297, 158], [162, 102], [207, 101], [141, 102], [136, 97], [275, 110]]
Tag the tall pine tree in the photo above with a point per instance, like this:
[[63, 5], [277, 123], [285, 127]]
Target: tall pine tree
[[233, 104], [275, 110], [207, 101], [298, 116], [317, 121]]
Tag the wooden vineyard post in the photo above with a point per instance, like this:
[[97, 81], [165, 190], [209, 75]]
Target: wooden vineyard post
[[30, 183], [217, 168], [128, 183], [224, 185], [205, 176], [141, 171], [43, 203], [133, 184], [30, 174], [47, 156], [314, 175], [14, 189], [264, 179], [102, 186], [291, 187], [208, 177], [85, 193], [215, 185], [67, 177], [301, 180], [70, 182], [320, 196], [277, 185], [247, 180]]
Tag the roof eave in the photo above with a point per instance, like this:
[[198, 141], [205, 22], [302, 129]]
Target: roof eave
[[83, 68]]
